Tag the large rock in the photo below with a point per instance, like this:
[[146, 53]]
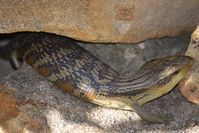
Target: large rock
[[101, 20], [190, 86]]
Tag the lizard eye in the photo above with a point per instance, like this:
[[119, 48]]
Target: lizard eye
[[176, 72]]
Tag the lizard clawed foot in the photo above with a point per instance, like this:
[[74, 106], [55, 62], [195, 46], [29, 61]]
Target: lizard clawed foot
[[150, 117], [161, 119], [166, 118]]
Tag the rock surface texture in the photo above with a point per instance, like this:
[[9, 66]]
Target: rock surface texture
[[101, 20], [190, 87]]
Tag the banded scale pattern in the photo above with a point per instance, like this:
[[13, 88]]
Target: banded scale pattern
[[156, 72], [65, 63], [73, 69]]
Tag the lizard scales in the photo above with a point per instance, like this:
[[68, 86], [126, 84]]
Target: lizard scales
[[73, 69]]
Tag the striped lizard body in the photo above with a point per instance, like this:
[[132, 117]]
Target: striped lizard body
[[73, 69]]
